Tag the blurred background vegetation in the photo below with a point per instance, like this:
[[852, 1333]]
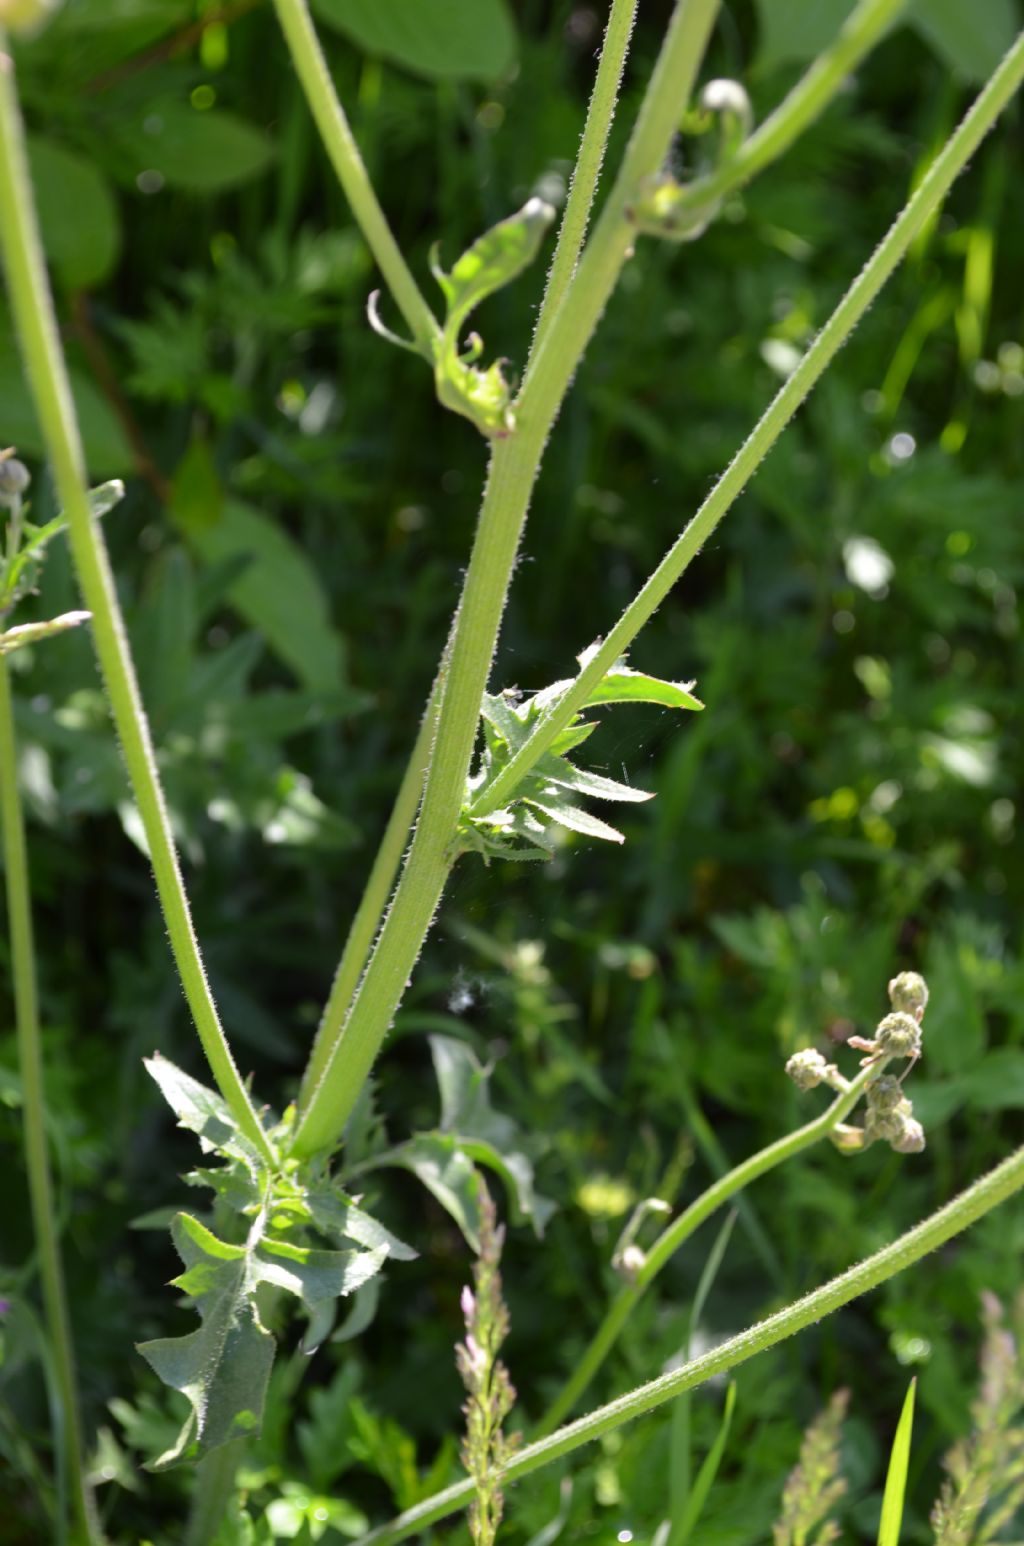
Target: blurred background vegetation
[[298, 514]]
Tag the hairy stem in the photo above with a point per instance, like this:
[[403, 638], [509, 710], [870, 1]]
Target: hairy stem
[[932, 1232], [311, 67], [514, 466], [808, 98], [675, 1234], [588, 163], [893, 247], [32, 307], [373, 903], [863, 29], [84, 1526]]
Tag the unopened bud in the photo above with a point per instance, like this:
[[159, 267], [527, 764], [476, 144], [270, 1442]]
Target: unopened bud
[[807, 1068], [911, 1140], [909, 993], [899, 1035], [630, 1262], [885, 1094], [14, 475]]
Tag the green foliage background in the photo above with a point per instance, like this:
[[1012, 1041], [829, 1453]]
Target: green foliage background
[[298, 514]]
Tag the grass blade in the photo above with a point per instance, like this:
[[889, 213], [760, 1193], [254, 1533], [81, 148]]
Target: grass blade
[[896, 1480]]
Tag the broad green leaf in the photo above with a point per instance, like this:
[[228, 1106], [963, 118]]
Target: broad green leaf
[[223, 1367], [463, 1083], [78, 215], [494, 260], [444, 1168], [317, 1278], [969, 38], [279, 592], [896, 1478], [577, 820], [334, 1215], [441, 39], [202, 1111], [198, 152]]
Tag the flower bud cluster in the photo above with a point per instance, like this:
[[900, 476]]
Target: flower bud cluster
[[889, 1114]]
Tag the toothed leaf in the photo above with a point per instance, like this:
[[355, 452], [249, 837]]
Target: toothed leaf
[[557, 771], [577, 820], [224, 1366]]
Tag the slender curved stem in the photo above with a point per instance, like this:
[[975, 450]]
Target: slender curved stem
[[932, 1232], [514, 466], [676, 1233], [373, 903], [865, 26], [588, 163], [339, 142], [84, 1526], [32, 306], [893, 247]]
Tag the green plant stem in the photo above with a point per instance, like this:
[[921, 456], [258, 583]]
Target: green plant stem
[[32, 307], [215, 1485], [808, 98], [585, 174], [339, 142], [946, 167], [932, 1232], [374, 901], [514, 466], [863, 29], [675, 1234], [69, 1444]]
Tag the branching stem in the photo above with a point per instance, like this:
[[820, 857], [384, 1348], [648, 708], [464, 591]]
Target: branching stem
[[929, 1235], [948, 164], [675, 1234]]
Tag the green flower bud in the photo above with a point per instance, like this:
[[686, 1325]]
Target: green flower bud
[[899, 1035], [908, 993], [885, 1094], [807, 1068]]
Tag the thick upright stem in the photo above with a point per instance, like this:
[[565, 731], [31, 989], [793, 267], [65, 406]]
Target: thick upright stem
[[339, 142], [32, 307], [865, 288], [588, 163], [373, 903], [675, 1235], [84, 1527], [514, 466], [929, 1235]]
